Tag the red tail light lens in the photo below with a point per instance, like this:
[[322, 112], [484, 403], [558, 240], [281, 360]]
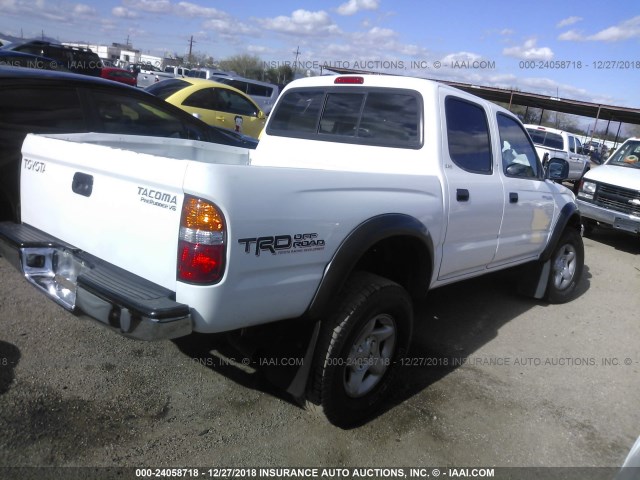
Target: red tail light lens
[[202, 242]]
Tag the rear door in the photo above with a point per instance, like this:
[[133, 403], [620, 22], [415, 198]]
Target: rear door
[[473, 188]]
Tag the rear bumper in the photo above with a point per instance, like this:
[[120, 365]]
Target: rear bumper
[[81, 282]]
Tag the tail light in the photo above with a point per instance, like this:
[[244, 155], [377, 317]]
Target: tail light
[[201, 243], [349, 80]]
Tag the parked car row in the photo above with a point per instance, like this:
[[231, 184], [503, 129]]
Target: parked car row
[[74, 59], [50, 56]]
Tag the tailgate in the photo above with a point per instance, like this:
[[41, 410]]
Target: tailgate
[[119, 205]]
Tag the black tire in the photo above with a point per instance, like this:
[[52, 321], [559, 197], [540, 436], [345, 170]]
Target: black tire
[[567, 263], [359, 349], [576, 187], [588, 226]]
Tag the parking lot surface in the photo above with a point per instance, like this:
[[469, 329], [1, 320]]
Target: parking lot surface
[[493, 379]]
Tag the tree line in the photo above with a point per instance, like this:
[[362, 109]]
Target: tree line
[[248, 66]]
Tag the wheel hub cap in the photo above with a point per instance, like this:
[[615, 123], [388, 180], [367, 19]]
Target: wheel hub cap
[[370, 356]]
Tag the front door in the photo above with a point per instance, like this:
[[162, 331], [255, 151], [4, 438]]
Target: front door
[[529, 204]]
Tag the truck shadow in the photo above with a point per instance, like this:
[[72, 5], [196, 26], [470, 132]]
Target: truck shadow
[[455, 321], [450, 325], [621, 241]]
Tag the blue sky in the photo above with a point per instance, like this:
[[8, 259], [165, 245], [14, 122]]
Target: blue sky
[[588, 50]]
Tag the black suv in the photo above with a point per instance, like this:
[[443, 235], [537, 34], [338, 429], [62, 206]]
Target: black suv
[[75, 59], [41, 101]]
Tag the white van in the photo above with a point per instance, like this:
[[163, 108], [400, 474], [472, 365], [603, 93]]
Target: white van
[[263, 93], [207, 73]]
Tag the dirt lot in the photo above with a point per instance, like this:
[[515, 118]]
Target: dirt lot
[[496, 380]]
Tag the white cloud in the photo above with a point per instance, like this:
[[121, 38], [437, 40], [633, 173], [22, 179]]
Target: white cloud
[[258, 49], [152, 6], [354, 6], [122, 12], [568, 21], [187, 9], [84, 10], [381, 33], [623, 31], [571, 35], [9, 6], [529, 51], [302, 22], [461, 57], [227, 27]]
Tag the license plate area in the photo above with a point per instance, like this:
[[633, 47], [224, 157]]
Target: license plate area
[[53, 270], [626, 225]]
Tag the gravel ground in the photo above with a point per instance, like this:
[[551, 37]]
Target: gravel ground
[[495, 380]]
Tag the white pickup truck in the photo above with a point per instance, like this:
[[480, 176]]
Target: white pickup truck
[[553, 143], [364, 192], [149, 74]]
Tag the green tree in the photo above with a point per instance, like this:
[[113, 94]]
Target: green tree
[[280, 76], [199, 59], [249, 66]]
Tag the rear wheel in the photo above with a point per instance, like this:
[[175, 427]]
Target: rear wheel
[[567, 262], [359, 348]]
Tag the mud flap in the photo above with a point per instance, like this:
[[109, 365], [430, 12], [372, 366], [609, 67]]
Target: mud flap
[[534, 278], [282, 352], [298, 385]]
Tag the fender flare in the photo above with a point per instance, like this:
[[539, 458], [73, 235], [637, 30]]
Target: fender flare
[[535, 275], [569, 213], [359, 241]]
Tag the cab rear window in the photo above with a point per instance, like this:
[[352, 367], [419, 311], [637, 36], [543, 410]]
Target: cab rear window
[[382, 117]]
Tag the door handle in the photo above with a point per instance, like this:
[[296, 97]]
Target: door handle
[[82, 184], [462, 195], [513, 197]]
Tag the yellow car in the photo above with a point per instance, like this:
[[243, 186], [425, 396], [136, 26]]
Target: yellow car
[[213, 103]]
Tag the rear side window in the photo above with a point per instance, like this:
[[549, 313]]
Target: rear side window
[[546, 139], [364, 116], [221, 100], [167, 88], [136, 116], [468, 135], [41, 110], [553, 140], [250, 88]]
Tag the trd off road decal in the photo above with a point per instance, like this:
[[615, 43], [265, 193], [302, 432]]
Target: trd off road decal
[[158, 198], [282, 244]]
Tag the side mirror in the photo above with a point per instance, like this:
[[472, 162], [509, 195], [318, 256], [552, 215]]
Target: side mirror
[[261, 115], [557, 169]]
